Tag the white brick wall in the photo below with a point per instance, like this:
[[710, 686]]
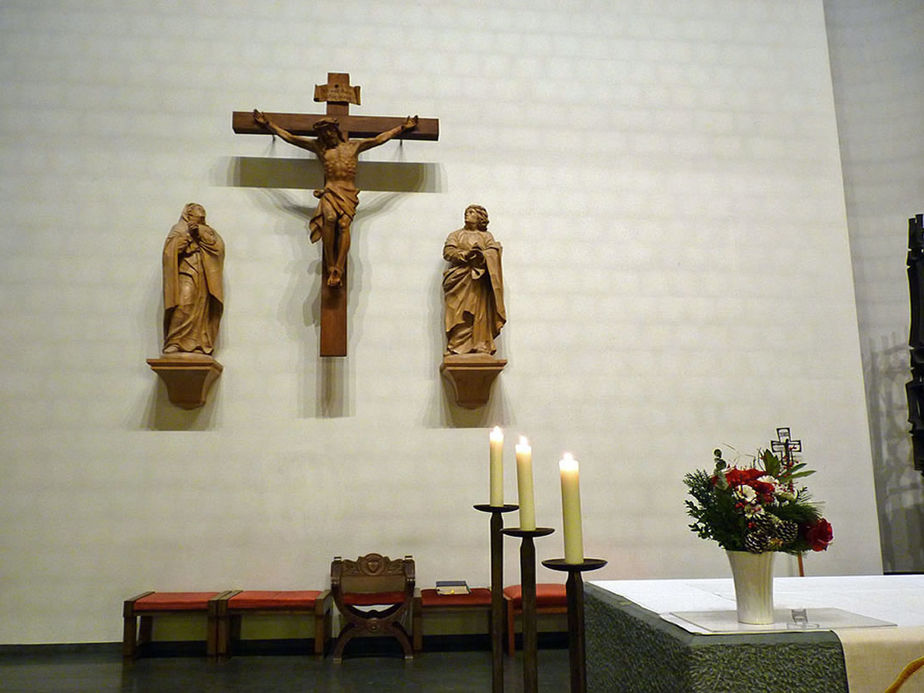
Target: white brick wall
[[664, 178]]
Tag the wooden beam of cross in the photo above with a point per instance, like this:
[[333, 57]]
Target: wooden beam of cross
[[337, 202]]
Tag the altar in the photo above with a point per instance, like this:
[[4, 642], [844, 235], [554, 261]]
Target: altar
[[681, 635]]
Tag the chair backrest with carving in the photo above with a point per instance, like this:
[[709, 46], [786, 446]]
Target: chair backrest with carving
[[372, 594], [373, 573]]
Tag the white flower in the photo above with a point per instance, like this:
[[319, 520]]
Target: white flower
[[746, 493]]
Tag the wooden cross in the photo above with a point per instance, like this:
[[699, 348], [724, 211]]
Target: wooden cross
[[338, 94]]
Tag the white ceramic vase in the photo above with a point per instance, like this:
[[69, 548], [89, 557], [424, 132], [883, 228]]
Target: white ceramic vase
[[753, 576]]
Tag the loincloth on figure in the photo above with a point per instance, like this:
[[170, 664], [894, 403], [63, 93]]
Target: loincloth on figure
[[333, 201]]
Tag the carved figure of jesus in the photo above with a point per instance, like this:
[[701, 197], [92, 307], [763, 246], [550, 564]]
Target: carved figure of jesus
[[338, 200]]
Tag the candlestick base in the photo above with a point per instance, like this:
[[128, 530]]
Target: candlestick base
[[575, 590]]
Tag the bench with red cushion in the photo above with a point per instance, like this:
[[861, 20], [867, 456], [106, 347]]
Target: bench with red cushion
[[551, 598], [229, 610], [147, 605], [430, 600]]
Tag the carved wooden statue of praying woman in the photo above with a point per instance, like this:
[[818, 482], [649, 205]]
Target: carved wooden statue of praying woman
[[193, 257], [473, 287]]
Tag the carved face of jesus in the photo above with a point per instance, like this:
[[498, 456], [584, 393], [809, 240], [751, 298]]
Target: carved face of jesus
[[329, 136]]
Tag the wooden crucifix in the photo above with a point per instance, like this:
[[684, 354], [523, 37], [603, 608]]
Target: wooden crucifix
[[338, 200]]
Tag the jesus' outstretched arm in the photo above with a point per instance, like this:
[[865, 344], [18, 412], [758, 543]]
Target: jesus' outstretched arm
[[383, 137], [304, 142]]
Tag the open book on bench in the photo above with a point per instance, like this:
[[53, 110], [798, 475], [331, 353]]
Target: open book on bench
[[452, 587]]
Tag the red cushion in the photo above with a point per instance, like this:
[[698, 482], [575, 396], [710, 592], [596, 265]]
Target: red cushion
[[479, 596], [547, 594], [263, 599], [373, 598], [175, 601]]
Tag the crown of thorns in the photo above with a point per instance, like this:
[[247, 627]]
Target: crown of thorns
[[326, 124]]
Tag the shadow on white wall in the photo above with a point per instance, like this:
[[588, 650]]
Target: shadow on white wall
[[898, 485]]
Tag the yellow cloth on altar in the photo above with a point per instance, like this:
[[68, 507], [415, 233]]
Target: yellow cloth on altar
[[875, 657]]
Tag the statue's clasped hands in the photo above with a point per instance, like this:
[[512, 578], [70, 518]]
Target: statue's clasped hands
[[475, 257]]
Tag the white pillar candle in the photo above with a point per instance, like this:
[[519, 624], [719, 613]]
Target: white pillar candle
[[497, 467], [525, 485], [571, 509]]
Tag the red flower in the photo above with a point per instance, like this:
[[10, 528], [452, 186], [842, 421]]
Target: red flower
[[819, 535], [764, 490], [737, 477]]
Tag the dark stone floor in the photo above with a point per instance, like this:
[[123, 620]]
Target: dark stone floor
[[99, 669]]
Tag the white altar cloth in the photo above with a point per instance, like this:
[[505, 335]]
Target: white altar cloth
[[874, 656]]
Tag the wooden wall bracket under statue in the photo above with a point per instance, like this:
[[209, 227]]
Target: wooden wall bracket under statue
[[471, 377], [188, 377]]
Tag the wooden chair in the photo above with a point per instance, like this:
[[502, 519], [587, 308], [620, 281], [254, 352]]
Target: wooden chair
[[372, 580], [229, 610], [147, 605], [551, 598]]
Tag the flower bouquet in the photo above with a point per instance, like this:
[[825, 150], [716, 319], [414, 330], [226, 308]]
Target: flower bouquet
[[753, 512], [757, 508]]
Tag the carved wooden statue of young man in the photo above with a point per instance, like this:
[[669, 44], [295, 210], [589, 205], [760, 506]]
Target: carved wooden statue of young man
[[193, 257], [473, 286], [338, 200]]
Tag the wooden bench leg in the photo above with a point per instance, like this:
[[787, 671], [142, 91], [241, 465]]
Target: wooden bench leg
[[211, 638], [130, 627], [222, 636], [322, 626], [134, 635], [129, 637], [216, 636], [145, 629]]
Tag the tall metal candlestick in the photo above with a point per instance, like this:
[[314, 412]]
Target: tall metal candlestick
[[575, 590], [497, 592], [528, 594]]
